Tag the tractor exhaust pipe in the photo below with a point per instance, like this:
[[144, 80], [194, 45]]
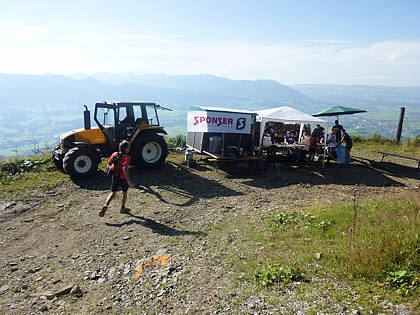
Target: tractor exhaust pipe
[[86, 115]]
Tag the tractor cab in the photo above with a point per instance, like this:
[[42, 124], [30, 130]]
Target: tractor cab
[[119, 120]]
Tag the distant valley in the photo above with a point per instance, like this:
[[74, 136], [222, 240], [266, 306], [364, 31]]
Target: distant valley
[[38, 108]]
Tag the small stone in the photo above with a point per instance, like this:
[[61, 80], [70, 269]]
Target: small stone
[[318, 256], [13, 269], [76, 291], [48, 295], [4, 288], [251, 301], [64, 290], [44, 308], [126, 238], [93, 276], [126, 270]]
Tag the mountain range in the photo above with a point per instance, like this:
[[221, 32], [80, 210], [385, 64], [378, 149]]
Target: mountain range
[[38, 108]]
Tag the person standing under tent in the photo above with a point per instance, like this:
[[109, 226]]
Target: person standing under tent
[[319, 132], [305, 138], [313, 143], [338, 130], [332, 143], [271, 131], [349, 144]]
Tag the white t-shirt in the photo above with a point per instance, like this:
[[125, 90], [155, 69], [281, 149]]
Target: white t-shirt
[[332, 141]]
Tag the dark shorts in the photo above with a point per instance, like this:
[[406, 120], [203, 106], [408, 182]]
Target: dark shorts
[[312, 150], [117, 182]]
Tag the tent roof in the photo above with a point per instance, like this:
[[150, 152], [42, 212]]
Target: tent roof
[[339, 110], [221, 109], [286, 114]]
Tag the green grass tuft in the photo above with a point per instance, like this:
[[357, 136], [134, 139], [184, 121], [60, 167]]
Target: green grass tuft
[[276, 274]]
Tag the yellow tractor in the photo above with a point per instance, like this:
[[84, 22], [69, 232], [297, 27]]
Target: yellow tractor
[[80, 151]]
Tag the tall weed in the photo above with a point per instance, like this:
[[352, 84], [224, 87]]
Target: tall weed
[[384, 239]]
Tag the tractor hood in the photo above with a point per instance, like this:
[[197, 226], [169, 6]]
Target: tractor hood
[[90, 136]]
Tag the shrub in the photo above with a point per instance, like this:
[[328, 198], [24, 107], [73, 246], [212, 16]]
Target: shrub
[[376, 138], [179, 141], [20, 165], [357, 139], [403, 281], [300, 221]]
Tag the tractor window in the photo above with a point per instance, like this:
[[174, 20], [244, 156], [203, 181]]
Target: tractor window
[[137, 112], [123, 113], [106, 116], [152, 116]]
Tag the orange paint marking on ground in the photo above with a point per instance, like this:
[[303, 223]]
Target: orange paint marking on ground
[[155, 260]]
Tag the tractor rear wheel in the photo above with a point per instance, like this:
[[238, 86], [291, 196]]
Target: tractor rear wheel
[[80, 162], [149, 152]]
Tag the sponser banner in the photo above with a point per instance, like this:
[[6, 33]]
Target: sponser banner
[[204, 121]]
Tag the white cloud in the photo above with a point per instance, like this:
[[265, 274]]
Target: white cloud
[[31, 31], [152, 38], [309, 61]]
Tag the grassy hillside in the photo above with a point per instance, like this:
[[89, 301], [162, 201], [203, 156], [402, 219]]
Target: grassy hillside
[[38, 108]]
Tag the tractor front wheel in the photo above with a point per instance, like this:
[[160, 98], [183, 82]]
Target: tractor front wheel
[[57, 157], [80, 162], [149, 152]]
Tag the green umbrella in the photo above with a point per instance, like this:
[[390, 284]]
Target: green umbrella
[[339, 110]]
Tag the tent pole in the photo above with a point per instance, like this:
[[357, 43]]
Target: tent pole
[[325, 144], [300, 132]]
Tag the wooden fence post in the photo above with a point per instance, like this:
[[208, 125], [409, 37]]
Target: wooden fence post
[[400, 124]]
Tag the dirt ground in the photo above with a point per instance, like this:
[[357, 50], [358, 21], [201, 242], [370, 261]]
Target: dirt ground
[[54, 238]]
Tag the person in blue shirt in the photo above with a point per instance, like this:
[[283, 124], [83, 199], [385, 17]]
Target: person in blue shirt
[[349, 144], [288, 138], [271, 131]]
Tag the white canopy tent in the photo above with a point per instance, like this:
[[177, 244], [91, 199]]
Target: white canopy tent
[[288, 115]]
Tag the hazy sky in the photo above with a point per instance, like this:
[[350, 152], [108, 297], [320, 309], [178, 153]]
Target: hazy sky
[[338, 41]]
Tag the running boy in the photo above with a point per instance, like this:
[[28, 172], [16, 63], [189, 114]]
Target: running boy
[[120, 177]]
